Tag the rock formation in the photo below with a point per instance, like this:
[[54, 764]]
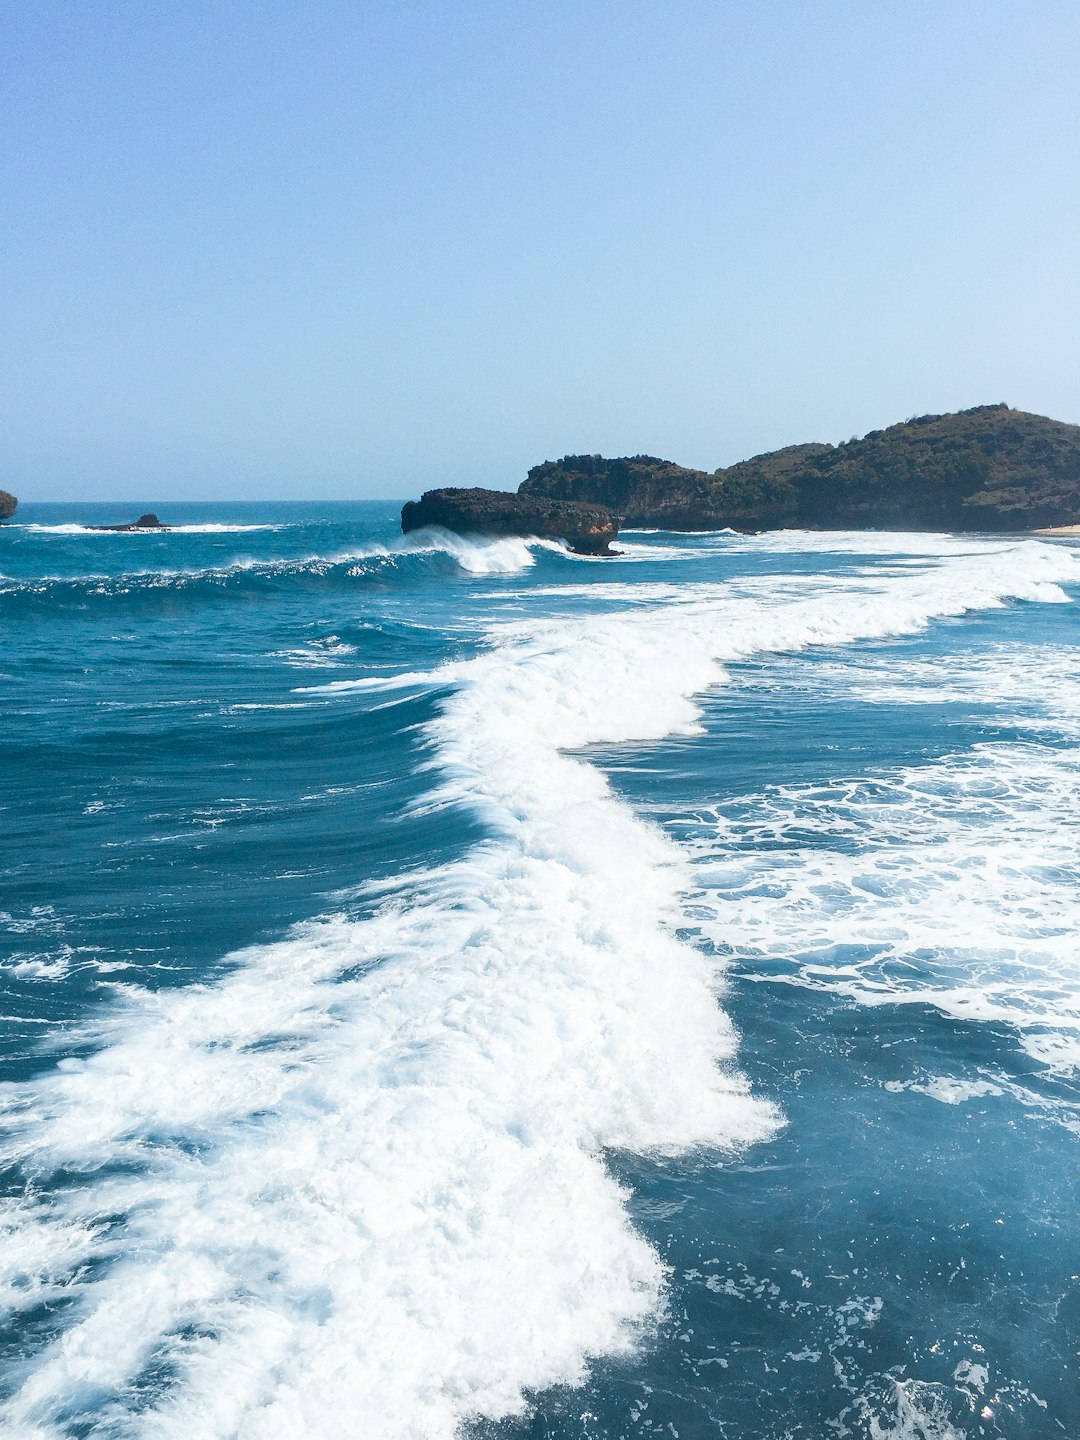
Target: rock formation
[[586, 528], [989, 468], [7, 505]]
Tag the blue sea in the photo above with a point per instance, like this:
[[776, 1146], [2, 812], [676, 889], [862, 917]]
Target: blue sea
[[455, 988]]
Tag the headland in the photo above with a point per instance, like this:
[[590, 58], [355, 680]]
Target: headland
[[990, 468]]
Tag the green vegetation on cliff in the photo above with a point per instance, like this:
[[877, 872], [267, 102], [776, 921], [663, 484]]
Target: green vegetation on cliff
[[8, 504], [989, 468]]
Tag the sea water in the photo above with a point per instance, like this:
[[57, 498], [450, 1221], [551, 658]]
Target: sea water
[[458, 988]]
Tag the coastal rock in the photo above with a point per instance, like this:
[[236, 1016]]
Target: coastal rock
[[8, 504], [988, 468], [144, 522], [586, 528]]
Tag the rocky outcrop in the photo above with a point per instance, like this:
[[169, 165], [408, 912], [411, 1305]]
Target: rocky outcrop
[[144, 522], [989, 468], [8, 505], [586, 528]]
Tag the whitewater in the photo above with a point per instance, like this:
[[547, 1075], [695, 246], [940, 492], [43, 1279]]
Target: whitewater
[[459, 988]]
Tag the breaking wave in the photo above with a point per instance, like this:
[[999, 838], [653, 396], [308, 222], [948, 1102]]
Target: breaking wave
[[411, 556]]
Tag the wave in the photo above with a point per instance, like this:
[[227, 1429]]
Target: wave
[[363, 1174], [480, 557], [494, 555], [425, 1090]]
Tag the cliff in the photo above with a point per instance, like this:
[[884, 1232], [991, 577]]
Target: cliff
[[989, 468], [586, 528], [8, 504]]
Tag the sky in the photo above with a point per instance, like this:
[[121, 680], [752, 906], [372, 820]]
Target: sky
[[295, 250]]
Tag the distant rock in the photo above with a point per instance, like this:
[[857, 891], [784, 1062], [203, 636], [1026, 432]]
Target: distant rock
[[989, 468], [586, 528], [144, 522], [8, 505]]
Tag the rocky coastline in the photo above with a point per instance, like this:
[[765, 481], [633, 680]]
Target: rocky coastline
[[588, 529], [990, 468]]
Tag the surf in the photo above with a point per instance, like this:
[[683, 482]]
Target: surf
[[361, 1179]]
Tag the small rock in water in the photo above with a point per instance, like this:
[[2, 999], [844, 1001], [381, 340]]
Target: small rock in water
[[149, 521]]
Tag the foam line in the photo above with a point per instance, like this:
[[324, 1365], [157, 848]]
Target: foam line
[[404, 680]]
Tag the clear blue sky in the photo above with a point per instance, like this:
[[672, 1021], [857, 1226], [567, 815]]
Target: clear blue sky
[[359, 249]]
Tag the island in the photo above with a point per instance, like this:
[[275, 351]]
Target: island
[[990, 468], [587, 529], [8, 505]]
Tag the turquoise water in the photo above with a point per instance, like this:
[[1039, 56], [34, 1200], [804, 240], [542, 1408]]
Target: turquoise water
[[456, 987]]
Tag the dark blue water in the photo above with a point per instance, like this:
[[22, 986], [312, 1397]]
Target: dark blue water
[[457, 987]]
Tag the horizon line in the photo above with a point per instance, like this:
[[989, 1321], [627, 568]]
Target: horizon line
[[236, 500]]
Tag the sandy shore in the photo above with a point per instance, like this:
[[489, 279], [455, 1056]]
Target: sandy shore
[[1059, 530]]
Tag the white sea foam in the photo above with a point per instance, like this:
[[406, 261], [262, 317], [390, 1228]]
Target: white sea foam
[[1042, 682], [404, 680], [947, 1089], [479, 554], [694, 534], [915, 1410], [629, 551], [476, 554], [360, 1177], [322, 653], [954, 883], [874, 542]]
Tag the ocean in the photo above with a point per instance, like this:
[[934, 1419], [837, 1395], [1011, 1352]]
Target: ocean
[[454, 988]]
